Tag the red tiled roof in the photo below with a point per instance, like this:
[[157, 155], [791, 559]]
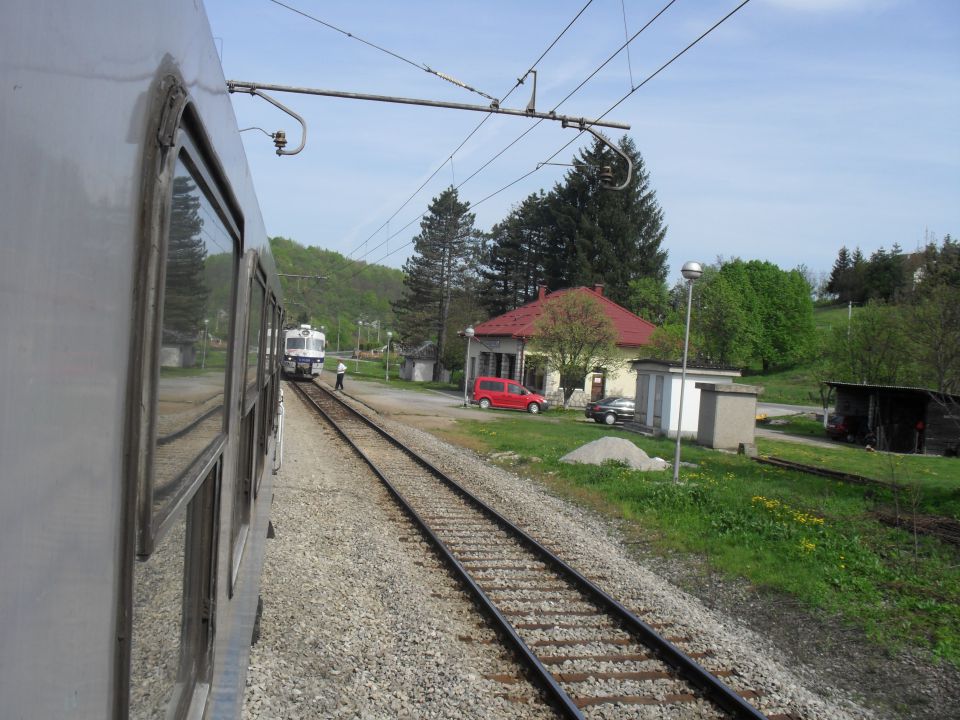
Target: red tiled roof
[[632, 331]]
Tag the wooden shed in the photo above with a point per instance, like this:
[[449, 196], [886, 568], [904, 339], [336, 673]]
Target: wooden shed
[[904, 419]]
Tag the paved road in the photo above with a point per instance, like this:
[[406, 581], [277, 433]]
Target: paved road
[[779, 409], [422, 408], [437, 409]]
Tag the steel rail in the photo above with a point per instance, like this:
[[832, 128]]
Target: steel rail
[[688, 668], [540, 672], [826, 472]]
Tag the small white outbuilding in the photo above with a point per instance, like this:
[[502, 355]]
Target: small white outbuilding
[[658, 395]]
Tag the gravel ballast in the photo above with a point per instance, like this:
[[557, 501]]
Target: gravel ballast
[[347, 630]]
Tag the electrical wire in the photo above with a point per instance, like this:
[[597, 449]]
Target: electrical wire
[[532, 127], [566, 145], [623, 8], [349, 260], [419, 66]]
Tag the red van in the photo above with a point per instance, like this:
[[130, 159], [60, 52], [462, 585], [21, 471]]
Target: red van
[[503, 393]]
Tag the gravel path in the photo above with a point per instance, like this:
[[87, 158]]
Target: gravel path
[[346, 634]]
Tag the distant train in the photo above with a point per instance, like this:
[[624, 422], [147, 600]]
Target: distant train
[[303, 351], [140, 381]]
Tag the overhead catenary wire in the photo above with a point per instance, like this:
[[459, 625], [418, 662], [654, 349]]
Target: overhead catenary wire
[[528, 130], [349, 260], [420, 66], [650, 77]]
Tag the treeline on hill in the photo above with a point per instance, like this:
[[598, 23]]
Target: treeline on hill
[[906, 330], [342, 299]]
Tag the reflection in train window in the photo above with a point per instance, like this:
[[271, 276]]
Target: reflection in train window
[[172, 596], [157, 619], [197, 301], [253, 331]]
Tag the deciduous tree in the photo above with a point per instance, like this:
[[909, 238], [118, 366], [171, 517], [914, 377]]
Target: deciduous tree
[[572, 337]]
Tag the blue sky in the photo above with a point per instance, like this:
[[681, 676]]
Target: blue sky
[[796, 127]]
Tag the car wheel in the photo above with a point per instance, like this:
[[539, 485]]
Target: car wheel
[[533, 408], [609, 418], [484, 403]]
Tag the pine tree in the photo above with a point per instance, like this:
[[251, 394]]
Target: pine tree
[[185, 288], [514, 261], [579, 234], [436, 272], [840, 277]]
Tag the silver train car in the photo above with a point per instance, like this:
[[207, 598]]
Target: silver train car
[[139, 392], [303, 351]]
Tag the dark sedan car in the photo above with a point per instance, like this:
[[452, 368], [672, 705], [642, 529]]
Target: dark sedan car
[[850, 428], [610, 410]]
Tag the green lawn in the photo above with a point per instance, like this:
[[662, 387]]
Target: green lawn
[[800, 534], [927, 482]]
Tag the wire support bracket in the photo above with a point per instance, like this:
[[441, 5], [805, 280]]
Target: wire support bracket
[[254, 88], [606, 175]]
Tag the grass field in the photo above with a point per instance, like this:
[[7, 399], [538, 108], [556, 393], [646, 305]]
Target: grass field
[[800, 385], [813, 538]]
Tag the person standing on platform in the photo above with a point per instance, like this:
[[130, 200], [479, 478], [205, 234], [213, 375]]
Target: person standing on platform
[[341, 369]]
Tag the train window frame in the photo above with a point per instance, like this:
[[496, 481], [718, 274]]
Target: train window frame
[[182, 140], [155, 522], [197, 631], [251, 388], [177, 133]]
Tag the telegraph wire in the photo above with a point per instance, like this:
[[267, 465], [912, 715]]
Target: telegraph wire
[[520, 81], [566, 145], [420, 66], [623, 8], [529, 129], [532, 127]]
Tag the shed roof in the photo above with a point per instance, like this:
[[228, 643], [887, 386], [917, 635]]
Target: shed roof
[[632, 330], [899, 389]]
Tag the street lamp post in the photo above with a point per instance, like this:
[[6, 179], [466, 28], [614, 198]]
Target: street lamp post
[[206, 325], [469, 332], [389, 335], [691, 271], [356, 364]]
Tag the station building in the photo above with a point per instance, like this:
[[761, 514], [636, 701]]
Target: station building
[[500, 349]]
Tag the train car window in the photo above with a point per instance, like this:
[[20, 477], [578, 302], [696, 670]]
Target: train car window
[[242, 493], [254, 325], [171, 634], [198, 289], [272, 321]]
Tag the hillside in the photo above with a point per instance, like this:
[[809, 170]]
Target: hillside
[[800, 385], [349, 292]]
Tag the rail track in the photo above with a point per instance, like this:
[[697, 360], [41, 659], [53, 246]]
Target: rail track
[[585, 650], [945, 529]]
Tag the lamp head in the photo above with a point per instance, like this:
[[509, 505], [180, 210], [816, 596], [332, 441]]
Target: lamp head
[[469, 332], [692, 270]]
